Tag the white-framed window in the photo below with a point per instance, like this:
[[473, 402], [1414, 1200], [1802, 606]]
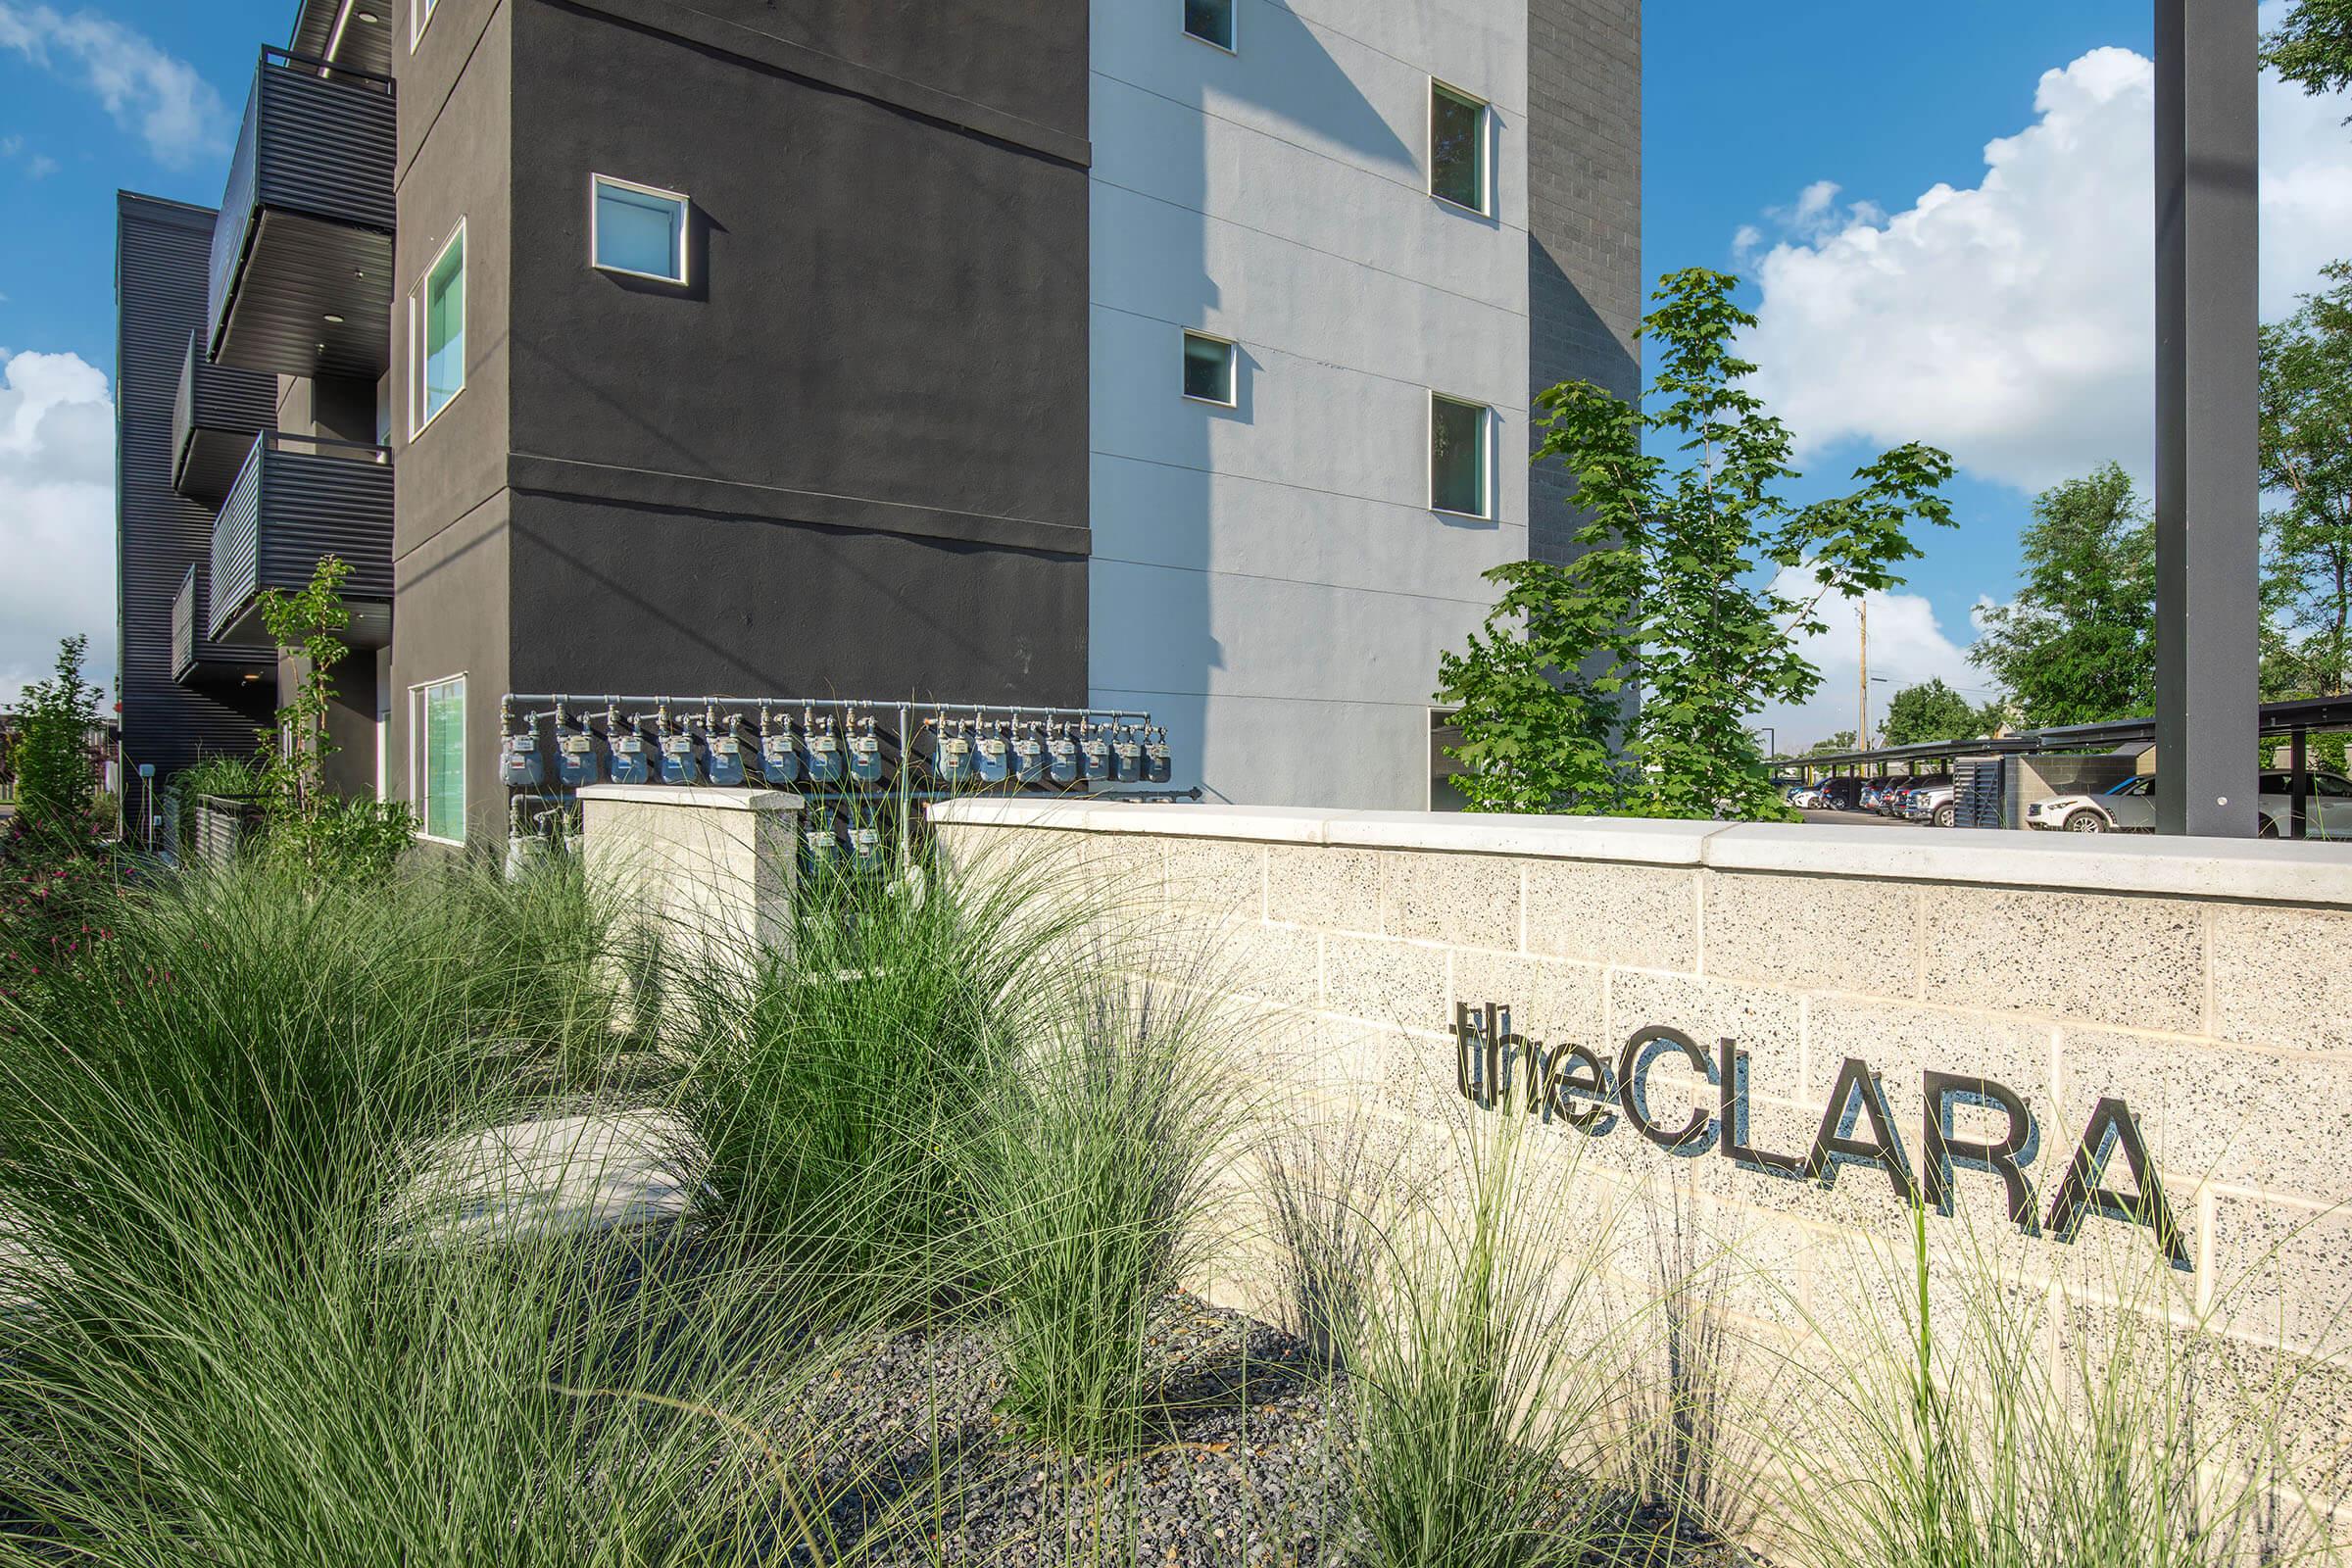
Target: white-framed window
[[639, 230], [1460, 456], [1212, 22], [438, 334], [1208, 368], [1457, 149], [437, 758], [420, 14]]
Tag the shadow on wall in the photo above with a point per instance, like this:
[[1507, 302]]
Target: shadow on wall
[[1165, 623]]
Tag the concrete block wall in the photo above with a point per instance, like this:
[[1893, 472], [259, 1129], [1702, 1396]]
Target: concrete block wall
[[2202, 983]]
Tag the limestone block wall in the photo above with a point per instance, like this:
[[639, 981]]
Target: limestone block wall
[[2194, 995]]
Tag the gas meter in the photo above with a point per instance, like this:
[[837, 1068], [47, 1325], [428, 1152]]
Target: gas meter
[[991, 757], [677, 752], [866, 848], [519, 764], [1093, 752], [954, 753], [779, 758], [1029, 754], [1158, 765], [575, 752], [865, 753], [630, 765], [726, 747], [821, 848], [1127, 757], [823, 757], [1061, 754]]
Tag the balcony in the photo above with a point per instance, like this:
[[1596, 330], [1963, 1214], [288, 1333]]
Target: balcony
[[296, 499], [302, 251], [197, 660], [218, 412]]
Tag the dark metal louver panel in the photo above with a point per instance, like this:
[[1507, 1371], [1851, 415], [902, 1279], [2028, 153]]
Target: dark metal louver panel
[[1977, 792], [195, 656]]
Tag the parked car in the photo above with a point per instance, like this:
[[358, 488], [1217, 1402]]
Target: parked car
[[1937, 802], [1842, 794], [2130, 807]]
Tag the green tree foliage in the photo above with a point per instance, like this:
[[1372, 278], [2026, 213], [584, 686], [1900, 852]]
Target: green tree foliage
[[56, 787], [2077, 645], [2313, 47], [2306, 464], [303, 820], [1932, 711], [1829, 745], [1626, 681]]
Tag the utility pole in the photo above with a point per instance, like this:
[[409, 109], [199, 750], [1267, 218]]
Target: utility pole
[[1862, 726], [2208, 483]]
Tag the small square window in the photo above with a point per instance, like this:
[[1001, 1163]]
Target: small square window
[[1457, 148], [638, 229], [1208, 368], [1457, 457], [1210, 22]]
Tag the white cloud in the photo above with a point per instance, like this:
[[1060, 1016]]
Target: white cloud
[[2013, 322], [56, 516], [154, 94], [1907, 645]]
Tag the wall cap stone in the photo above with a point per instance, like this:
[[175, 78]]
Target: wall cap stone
[[689, 795], [2264, 870]]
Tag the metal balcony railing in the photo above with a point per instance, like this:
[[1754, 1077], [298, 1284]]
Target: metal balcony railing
[[296, 499], [302, 251]]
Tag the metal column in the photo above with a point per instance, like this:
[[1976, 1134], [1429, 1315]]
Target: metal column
[[2207, 482]]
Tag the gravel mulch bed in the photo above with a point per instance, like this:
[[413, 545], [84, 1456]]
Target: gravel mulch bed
[[1249, 1469]]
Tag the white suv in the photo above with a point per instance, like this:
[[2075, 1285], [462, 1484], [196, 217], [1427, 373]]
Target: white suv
[[2130, 807]]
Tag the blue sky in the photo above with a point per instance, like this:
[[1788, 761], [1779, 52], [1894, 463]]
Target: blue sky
[[1793, 143]]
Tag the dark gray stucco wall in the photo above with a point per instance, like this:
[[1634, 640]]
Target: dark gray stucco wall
[[162, 253], [624, 598], [1585, 279], [884, 309]]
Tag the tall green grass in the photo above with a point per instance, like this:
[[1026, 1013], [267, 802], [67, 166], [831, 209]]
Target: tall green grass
[[838, 1092], [249, 1321], [1486, 1380], [1093, 1196], [1983, 1434]]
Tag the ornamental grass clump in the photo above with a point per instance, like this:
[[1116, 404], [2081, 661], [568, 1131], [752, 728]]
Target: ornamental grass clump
[[837, 1093], [1093, 1201], [253, 1315], [2017, 1430], [1486, 1376]]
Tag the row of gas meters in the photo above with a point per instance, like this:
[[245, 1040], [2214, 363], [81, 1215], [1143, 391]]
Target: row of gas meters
[[823, 750]]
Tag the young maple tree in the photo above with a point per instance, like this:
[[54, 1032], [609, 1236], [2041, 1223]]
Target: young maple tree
[[1626, 681]]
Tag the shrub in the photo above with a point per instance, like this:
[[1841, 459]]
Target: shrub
[[56, 786]]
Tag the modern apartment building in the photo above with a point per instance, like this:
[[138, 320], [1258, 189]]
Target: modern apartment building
[[1152, 354]]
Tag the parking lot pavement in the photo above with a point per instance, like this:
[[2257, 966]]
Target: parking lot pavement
[[1858, 819]]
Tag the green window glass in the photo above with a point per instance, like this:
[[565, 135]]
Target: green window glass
[[1208, 368], [1209, 20], [1457, 148], [1457, 457], [444, 330], [442, 719]]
